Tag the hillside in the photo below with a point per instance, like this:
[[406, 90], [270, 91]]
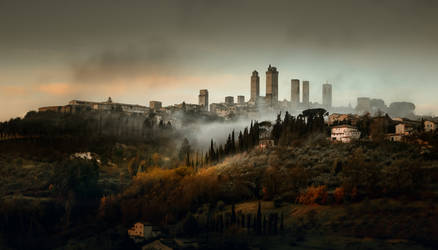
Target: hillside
[[363, 194]]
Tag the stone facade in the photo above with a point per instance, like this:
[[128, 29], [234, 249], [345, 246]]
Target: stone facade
[[272, 85], [306, 90], [327, 95], [295, 93], [76, 106], [155, 105], [229, 100], [255, 86], [430, 126], [344, 133], [240, 99], [203, 99]]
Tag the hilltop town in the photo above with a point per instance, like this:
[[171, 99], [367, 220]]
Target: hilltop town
[[400, 118]]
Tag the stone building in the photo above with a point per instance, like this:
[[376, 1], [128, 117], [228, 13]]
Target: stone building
[[255, 86], [155, 105], [240, 99], [306, 89], [272, 84], [295, 93], [404, 128], [344, 133], [229, 100], [327, 95], [430, 126], [76, 106], [203, 99], [143, 230]]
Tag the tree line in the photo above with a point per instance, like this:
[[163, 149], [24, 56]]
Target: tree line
[[284, 132], [51, 124]]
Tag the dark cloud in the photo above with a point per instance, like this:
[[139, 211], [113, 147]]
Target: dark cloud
[[157, 57], [375, 47]]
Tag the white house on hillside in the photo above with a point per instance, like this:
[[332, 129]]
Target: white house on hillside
[[430, 126], [404, 129], [344, 133]]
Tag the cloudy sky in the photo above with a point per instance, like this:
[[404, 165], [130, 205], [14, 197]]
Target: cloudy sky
[[135, 51]]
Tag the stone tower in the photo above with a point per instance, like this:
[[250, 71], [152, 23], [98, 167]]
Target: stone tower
[[306, 91], [295, 93], [327, 95], [272, 84], [255, 86], [229, 100], [203, 99], [240, 99]]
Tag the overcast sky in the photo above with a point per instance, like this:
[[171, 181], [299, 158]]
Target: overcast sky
[[136, 51]]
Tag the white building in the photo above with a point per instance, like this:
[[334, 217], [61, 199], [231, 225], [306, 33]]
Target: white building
[[404, 129], [430, 126], [344, 133]]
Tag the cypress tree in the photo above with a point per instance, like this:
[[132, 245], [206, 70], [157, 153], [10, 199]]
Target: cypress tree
[[233, 214], [245, 139], [259, 218], [233, 143], [240, 141], [188, 159]]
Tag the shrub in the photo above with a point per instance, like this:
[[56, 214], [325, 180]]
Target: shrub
[[277, 202], [339, 194], [313, 195], [220, 205]]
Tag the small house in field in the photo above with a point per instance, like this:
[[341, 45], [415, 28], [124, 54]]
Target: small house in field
[[144, 231], [344, 133]]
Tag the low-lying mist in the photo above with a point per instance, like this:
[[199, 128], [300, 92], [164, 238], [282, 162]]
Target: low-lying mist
[[201, 133]]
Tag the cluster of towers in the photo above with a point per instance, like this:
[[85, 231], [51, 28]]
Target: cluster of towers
[[271, 86], [272, 90], [271, 97], [295, 93]]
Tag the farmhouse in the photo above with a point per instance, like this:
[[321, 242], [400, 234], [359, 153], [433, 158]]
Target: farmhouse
[[430, 126], [344, 133], [143, 230]]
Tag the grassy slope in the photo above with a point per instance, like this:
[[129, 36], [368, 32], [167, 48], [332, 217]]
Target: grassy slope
[[373, 224]]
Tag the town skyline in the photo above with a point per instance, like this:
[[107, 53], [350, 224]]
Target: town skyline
[[388, 51]]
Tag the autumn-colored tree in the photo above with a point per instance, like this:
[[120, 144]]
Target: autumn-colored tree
[[314, 195]]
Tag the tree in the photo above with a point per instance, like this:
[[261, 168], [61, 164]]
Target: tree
[[233, 143], [77, 175], [184, 150], [245, 139], [258, 225], [241, 142], [276, 131]]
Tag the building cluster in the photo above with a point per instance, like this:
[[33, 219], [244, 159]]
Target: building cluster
[[344, 127], [257, 104], [156, 109], [230, 108], [76, 106], [299, 100]]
